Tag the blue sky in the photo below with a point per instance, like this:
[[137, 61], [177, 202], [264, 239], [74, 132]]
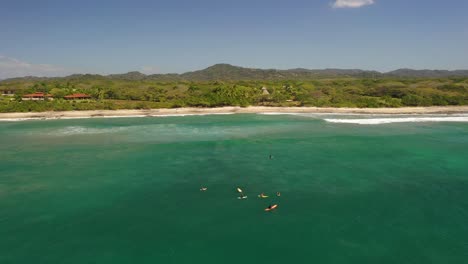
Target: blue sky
[[57, 37]]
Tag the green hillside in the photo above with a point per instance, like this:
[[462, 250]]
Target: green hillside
[[136, 91]]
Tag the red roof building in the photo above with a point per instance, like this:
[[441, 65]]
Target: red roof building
[[78, 96]]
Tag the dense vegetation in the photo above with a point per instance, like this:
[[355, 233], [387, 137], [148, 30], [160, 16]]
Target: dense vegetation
[[125, 93], [228, 72]]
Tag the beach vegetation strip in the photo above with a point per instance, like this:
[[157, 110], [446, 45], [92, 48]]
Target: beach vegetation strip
[[107, 93]]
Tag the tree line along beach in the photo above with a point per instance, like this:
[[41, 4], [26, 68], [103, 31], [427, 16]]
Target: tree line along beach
[[226, 85]]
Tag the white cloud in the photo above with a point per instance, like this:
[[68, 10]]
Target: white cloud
[[150, 70], [11, 67], [352, 3]]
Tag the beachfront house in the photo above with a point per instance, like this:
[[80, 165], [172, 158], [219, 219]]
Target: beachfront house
[[8, 92], [37, 97], [77, 96]]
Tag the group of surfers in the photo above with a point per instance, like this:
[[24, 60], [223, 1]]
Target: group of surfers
[[243, 196], [262, 195]]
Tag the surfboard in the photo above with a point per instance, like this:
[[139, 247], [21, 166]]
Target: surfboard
[[273, 207]]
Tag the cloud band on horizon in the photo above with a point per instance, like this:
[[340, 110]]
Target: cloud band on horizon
[[352, 3], [11, 68]]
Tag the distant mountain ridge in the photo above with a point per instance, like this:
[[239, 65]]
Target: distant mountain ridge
[[236, 73], [427, 73]]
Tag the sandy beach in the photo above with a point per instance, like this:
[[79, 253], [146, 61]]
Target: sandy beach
[[231, 110]]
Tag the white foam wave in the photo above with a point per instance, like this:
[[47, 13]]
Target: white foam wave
[[80, 130], [378, 121], [17, 119], [307, 114], [197, 114], [103, 116]]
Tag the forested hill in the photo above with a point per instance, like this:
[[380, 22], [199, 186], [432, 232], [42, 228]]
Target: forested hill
[[227, 72]]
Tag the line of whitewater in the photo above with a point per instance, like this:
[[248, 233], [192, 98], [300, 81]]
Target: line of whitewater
[[231, 110], [379, 121], [104, 116]]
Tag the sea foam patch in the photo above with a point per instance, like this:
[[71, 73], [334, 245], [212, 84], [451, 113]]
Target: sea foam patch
[[307, 114], [81, 130], [106, 117], [378, 121], [196, 114]]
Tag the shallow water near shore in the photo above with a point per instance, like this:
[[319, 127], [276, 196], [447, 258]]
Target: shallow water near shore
[[126, 190]]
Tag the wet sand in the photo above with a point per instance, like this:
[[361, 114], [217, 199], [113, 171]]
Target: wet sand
[[230, 110]]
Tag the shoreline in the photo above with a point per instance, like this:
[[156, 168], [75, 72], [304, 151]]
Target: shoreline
[[231, 110]]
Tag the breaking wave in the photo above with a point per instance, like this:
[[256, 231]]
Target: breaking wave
[[80, 130], [106, 117], [378, 121]]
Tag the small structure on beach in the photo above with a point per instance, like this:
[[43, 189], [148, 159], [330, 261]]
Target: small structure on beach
[[37, 97], [77, 96], [265, 91]]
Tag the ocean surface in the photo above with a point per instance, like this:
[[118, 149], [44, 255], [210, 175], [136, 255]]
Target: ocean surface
[[354, 189]]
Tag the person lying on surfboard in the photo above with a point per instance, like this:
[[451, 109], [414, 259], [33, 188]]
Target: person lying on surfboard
[[262, 195], [271, 207]]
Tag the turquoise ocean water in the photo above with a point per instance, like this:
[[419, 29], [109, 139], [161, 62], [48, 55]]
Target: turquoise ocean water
[[126, 190]]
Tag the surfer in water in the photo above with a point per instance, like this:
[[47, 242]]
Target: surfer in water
[[271, 156], [241, 192], [203, 189], [278, 194]]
